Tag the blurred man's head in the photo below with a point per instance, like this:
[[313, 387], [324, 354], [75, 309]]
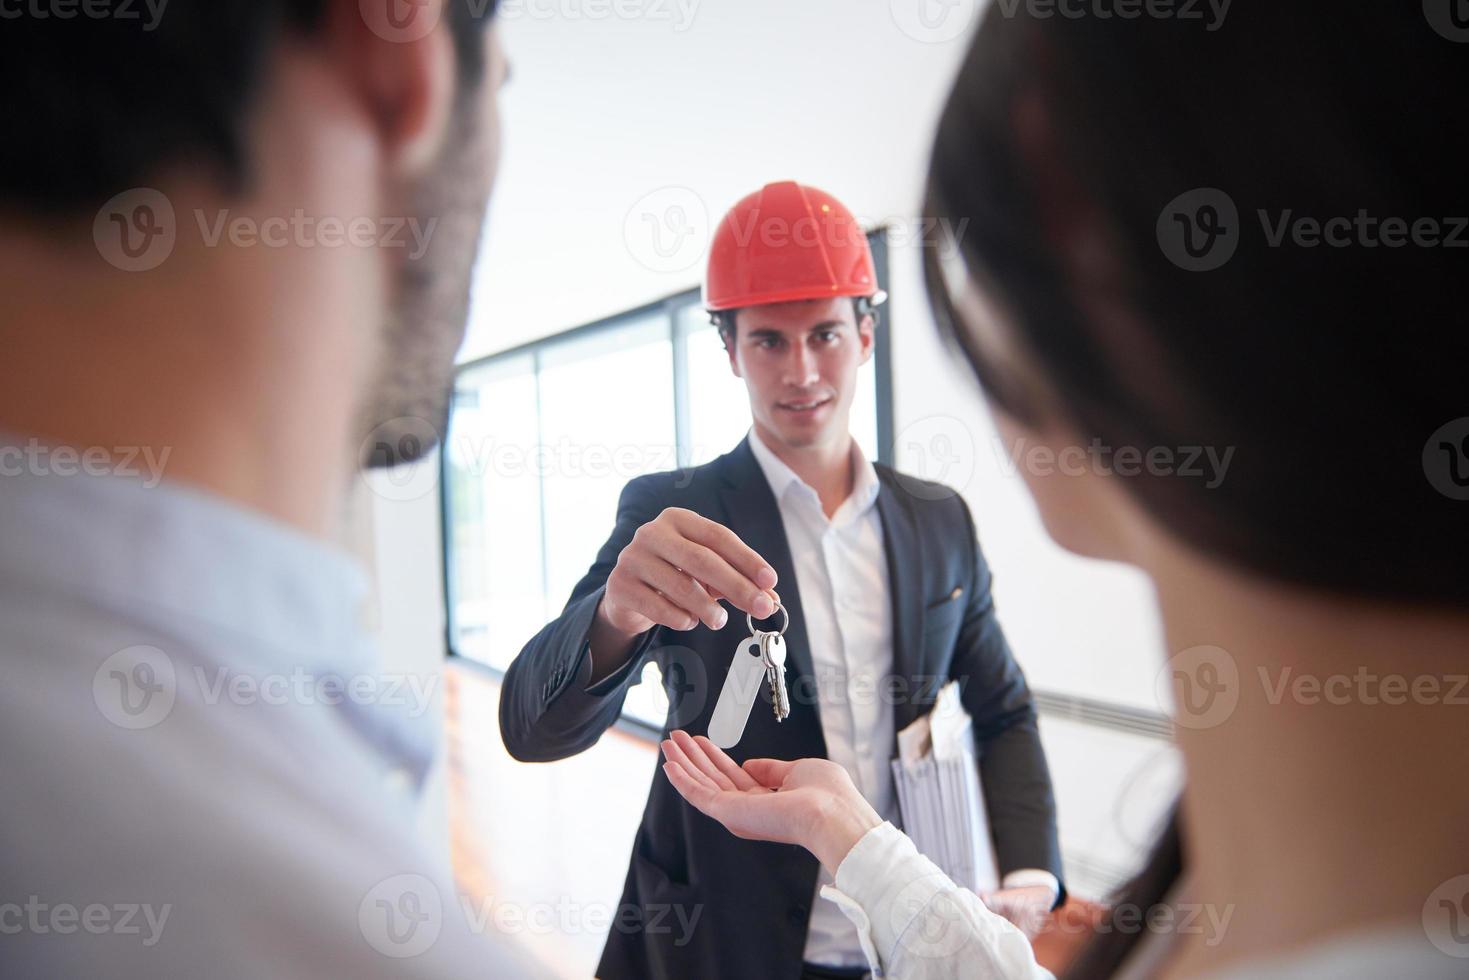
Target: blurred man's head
[[331, 157]]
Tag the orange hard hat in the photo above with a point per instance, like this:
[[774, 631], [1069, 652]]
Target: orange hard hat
[[788, 242]]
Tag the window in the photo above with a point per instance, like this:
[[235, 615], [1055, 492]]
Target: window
[[542, 440]]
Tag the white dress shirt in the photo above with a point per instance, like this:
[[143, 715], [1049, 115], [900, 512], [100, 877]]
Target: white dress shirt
[[842, 574], [205, 772], [915, 923]]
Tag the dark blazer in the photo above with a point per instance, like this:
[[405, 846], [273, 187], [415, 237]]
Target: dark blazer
[[700, 902]]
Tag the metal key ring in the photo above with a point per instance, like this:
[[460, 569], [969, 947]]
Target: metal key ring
[[780, 608]]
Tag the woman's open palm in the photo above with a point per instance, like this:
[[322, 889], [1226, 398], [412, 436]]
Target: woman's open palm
[[767, 799]]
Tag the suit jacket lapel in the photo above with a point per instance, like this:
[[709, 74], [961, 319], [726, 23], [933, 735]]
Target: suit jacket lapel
[[905, 582]]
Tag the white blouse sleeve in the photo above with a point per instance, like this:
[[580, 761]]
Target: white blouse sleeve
[[915, 923]]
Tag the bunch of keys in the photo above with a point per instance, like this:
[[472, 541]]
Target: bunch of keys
[[760, 656]]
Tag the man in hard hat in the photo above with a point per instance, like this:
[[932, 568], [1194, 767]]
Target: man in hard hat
[[888, 597]]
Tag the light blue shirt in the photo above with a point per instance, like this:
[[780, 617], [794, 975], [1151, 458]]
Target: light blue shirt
[[204, 770]]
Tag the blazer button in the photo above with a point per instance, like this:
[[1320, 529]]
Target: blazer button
[[797, 915]]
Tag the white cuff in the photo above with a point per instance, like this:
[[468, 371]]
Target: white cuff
[[1031, 877]]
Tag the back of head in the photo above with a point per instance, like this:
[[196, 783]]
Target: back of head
[[100, 97], [1252, 237], [1248, 235]]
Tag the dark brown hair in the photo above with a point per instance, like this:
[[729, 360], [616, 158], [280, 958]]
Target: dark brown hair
[[1073, 147]]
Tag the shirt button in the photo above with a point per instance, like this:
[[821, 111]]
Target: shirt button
[[797, 915]]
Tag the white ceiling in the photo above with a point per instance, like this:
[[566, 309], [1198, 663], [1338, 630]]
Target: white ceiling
[[676, 109]]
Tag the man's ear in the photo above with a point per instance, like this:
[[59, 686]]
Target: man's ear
[[867, 336], [734, 361], [400, 61]]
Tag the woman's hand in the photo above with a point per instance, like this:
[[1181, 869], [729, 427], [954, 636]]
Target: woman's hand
[[810, 802]]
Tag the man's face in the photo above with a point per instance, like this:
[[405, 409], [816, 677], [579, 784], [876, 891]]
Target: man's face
[[799, 362], [408, 405]]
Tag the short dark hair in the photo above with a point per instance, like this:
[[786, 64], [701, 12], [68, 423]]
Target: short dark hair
[[97, 105], [724, 320]]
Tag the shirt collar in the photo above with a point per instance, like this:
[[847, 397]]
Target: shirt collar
[[782, 478]]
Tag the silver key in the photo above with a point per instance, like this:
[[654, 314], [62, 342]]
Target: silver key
[[773, 653]]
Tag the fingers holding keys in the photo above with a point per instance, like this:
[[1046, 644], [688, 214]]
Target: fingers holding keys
[[676, 570]]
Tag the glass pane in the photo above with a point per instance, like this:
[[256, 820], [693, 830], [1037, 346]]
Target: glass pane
[[496, 594], [606, 417]]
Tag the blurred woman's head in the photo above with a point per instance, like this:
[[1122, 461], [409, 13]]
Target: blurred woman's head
[[1223, 271]]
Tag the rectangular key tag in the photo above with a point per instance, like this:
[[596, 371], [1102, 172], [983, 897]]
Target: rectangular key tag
[[737, 697]]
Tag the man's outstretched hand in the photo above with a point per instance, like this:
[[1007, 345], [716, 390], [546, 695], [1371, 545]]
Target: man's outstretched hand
[[810, 802]]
